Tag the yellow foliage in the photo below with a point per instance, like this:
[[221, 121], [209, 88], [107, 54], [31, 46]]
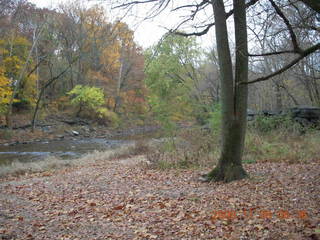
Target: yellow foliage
[[12, 65], [5, 91], [22, 41], [125, 35], [3, 51], [13, 53], [111, 57], [29, 91], [107, 117]]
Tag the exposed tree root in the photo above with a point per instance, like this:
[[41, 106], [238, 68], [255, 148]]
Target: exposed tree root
[[226, 174]]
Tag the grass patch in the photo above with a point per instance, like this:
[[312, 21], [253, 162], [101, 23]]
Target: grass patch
[[249, 161], [191, 148], [278, 146], [198, 148], [140, 147], [22, 168], [53, 163]]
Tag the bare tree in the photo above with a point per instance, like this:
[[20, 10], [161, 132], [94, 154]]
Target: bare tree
[[234, 82]]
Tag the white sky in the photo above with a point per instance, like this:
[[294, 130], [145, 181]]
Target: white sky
[[147, 32]]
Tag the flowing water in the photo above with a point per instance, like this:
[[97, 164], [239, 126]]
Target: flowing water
[[64, 149]]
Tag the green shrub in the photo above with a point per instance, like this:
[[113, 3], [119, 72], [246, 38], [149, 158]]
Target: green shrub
[[106, 117], [215, 119], [283, 122], [90, 101], [279, 146], [202, 112], [87, 98]]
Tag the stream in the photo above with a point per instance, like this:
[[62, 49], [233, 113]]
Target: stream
[[63, 149]]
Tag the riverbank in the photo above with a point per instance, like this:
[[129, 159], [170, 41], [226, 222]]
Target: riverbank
[[17, 168], [61, 142], [58, 127], [126, 199]]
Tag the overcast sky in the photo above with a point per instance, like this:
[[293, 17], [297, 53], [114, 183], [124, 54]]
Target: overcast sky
[[147, 32]]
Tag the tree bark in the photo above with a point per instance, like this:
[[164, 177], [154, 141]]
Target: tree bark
[[233, 95]]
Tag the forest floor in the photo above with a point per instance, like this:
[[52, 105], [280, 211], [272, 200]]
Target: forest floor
[[127, 199]]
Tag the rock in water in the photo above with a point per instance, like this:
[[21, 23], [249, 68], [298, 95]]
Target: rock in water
[[75, 133]]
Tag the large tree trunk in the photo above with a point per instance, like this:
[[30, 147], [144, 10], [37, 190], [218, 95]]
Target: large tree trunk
[[233, 94]]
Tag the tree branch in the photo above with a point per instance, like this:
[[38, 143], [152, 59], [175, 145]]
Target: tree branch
[[197, 6], [48, 83], [287, 23], [210, 25], [124, 5], [303, 54], [271, 53], [60, 74], [38, 64]]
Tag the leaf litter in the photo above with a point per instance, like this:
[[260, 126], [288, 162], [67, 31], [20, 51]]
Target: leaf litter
[[127, 200]]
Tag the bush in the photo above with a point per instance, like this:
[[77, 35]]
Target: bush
[[279, 146], [22, 104], [215, 119], [90, 101], [193, 148], [106, 117], [85, 97], [266, 124], [202, 113]]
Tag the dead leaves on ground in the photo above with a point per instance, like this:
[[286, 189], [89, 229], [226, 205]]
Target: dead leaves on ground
[[131, 202]]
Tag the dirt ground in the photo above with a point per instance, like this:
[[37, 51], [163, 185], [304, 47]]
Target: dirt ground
[[125, 199]]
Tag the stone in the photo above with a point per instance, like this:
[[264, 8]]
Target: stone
[[75, 133]]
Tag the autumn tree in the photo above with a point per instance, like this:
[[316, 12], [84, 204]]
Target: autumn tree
[[5, 91], [46, 53], [17, 65], [19, 40], [107, 55]]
